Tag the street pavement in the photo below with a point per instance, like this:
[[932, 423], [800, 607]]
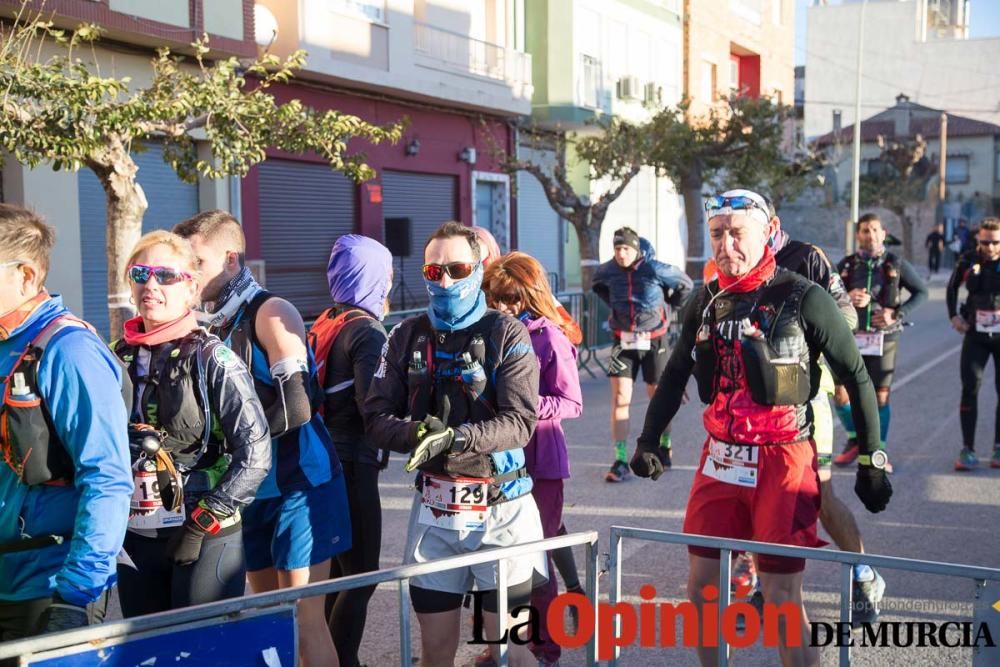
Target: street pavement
[[936, 514]]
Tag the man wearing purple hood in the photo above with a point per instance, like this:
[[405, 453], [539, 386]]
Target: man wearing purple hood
[[360, 275]]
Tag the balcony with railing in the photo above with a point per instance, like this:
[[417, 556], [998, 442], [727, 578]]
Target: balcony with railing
[[460, 54]]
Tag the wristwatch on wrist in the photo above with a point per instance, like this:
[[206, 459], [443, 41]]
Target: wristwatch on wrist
[[459, 441], [877, 459], [205, 520]]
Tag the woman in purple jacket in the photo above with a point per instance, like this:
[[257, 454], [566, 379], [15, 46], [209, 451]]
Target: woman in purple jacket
[[516, 284]]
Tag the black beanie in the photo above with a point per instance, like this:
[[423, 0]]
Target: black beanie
[[627, 236]]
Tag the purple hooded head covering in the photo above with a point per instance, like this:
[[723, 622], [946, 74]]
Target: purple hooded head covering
[[358, 273]]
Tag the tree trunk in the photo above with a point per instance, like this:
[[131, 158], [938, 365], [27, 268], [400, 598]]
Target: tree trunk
[[126, 203], [588, 234], [906, 225], [694, 212]]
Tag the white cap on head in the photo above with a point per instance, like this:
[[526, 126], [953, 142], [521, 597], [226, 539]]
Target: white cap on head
[[760, 214]]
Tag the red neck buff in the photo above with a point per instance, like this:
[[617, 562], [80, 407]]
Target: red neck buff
[[10, 321], [753, 279], [182, 326]]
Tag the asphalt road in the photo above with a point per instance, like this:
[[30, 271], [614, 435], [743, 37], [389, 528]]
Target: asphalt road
[[935, 514]]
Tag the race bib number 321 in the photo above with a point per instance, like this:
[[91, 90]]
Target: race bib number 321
[[732, 464]]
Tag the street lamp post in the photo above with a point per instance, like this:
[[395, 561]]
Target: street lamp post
[[856, 179]]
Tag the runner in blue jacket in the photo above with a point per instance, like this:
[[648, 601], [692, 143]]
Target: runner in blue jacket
[[639, 290], [63, 511]]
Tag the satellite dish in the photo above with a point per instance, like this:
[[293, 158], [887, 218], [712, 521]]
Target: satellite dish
[[265, 26]]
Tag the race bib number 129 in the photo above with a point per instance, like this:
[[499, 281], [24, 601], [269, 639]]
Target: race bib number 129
[[454, 503]]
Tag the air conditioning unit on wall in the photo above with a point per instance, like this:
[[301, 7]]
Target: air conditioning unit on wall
[[628, 88]]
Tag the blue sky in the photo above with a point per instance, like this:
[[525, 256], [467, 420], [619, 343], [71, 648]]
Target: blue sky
[[985, 22]]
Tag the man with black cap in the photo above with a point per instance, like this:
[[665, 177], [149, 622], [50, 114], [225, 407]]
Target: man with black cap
[[639, 292]]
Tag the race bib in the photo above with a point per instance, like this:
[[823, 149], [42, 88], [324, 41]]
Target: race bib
[[454, 503], [635, 340], [732, 464], [988, 321], [146, 509], [869, 343]]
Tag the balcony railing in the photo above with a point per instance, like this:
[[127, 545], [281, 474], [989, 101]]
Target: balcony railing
[[460, 53]]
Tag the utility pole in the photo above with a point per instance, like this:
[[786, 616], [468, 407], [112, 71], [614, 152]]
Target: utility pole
[[856, 178], [942, 167]]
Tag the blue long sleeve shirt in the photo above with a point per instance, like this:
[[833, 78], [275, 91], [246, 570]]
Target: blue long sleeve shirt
[[79, 381]]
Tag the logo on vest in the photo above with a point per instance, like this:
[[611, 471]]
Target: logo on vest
[[224, 357]]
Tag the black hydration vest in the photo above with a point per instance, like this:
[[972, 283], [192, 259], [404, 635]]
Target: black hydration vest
[[773, 351], [879, 275], [27, 436], [241, 338], [460, 366], [983, 284], [175, 399]]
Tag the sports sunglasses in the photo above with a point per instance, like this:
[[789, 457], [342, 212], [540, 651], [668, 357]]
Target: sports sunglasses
[[455, 270], [165, 275], [738, 203]]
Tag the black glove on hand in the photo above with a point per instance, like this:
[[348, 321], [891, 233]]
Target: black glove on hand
[[185, 546], [873, 488], [62, 615], [649, 462], [431, 437]]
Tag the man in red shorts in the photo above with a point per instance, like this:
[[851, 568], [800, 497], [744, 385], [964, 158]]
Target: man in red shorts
[[753, 338]]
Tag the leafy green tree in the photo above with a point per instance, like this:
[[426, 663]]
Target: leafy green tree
[[780, 174], [900, 178], [611, 150], [62, 111], [737, 142]]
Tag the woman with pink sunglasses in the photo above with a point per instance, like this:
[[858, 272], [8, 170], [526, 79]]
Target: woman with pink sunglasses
[[200, 444]]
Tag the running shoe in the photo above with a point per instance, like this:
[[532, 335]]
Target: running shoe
[[574, 612], [967, 460], [757, 602], [867, 596], [744, 573], [849, 454], [618, 473], [995, 459], [666, 456]]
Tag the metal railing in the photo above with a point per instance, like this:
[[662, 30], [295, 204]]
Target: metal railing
[[466, 55], [227, 610], [847, 559]]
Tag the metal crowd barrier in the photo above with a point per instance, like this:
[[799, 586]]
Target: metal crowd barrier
[[231, 610], [982, 576]]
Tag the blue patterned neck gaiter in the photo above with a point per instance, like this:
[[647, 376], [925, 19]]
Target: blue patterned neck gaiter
[[459, 305]]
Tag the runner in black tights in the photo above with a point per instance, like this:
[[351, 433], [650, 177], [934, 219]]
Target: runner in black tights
[[979, 319]]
